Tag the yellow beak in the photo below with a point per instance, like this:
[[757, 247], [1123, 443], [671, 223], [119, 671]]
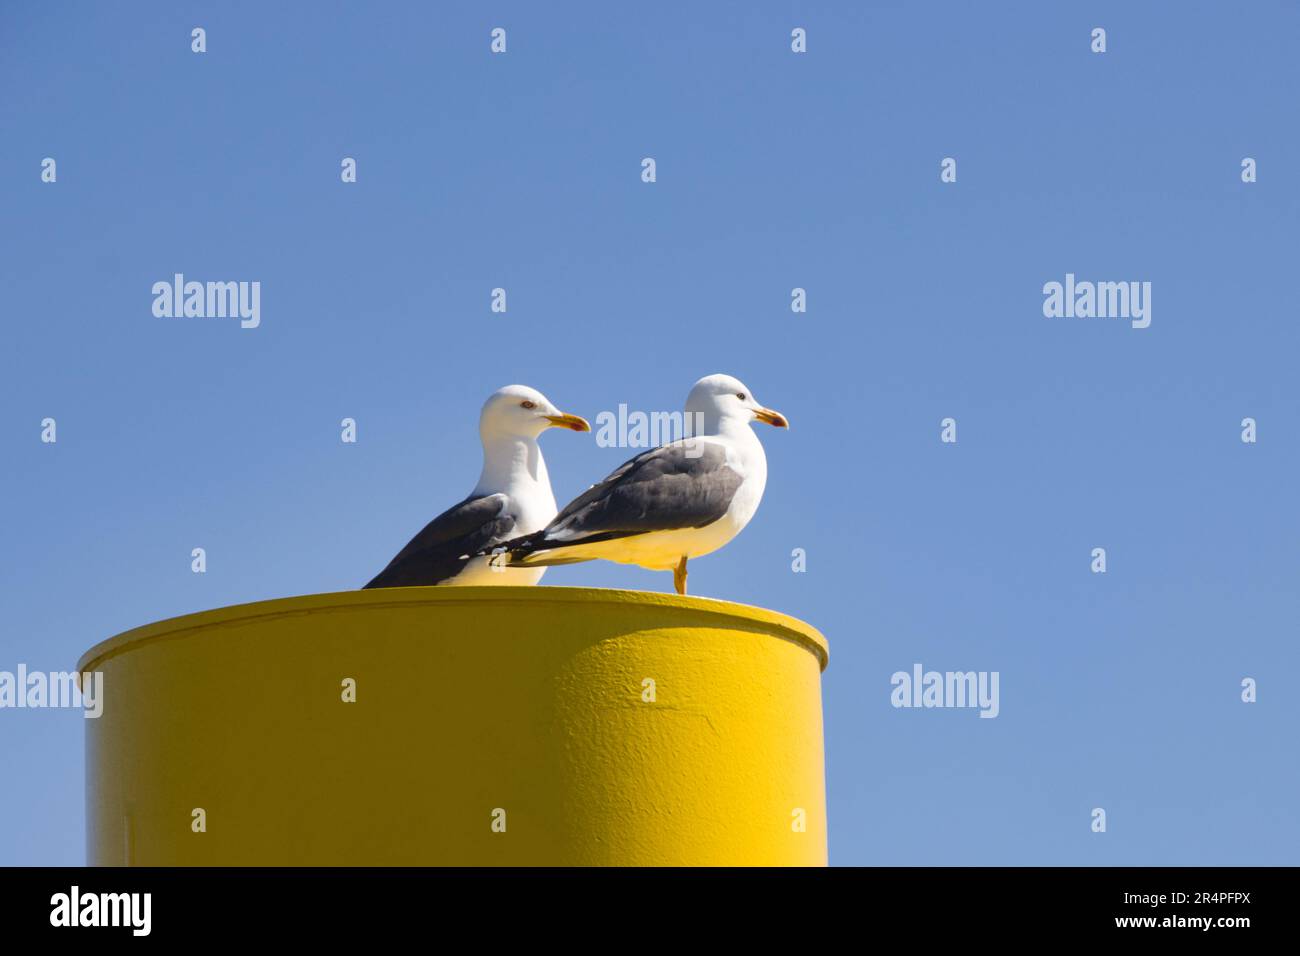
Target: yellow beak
[[772, 417], [572, 422]]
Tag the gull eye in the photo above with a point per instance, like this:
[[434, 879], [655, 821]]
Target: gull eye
[[527, 404], [741, 396]]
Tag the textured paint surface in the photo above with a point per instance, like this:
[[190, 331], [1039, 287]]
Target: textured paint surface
[[468, 701]]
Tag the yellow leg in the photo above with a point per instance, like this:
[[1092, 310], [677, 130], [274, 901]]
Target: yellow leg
[[679, 576]]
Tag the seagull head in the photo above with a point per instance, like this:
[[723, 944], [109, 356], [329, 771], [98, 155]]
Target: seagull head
[[518, 411], [722, 399]]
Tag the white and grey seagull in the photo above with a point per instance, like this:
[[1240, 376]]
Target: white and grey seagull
[[669, 504], [513, 497]]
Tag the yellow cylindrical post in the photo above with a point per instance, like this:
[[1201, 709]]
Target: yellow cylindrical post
[[460, 726]]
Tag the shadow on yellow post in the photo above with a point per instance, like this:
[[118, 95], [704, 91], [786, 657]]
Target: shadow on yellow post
[[460, 726]]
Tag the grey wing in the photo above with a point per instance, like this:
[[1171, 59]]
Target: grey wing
[[436, 553], [664, 489]]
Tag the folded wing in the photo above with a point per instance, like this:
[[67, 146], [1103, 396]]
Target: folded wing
[[682, 485], [437, 553]]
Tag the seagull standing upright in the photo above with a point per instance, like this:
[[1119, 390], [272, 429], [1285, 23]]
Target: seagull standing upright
[[513, 497], [669, 504]]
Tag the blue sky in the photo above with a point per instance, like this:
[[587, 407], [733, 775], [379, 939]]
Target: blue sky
[[1118, 690]]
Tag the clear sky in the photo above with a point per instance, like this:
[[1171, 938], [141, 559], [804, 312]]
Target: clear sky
[[775, 170]]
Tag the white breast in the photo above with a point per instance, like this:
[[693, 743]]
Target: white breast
[[533, 504]]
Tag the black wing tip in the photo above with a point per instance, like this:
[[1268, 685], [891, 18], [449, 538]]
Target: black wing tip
[[513, 548]]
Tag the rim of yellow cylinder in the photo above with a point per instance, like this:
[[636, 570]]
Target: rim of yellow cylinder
[[782, 625]]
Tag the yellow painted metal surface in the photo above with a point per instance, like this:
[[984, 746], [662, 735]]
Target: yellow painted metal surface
[[491, 726]]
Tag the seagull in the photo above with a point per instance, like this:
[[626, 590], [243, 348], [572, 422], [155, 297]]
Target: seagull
[[669, 504], [513, 497]]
